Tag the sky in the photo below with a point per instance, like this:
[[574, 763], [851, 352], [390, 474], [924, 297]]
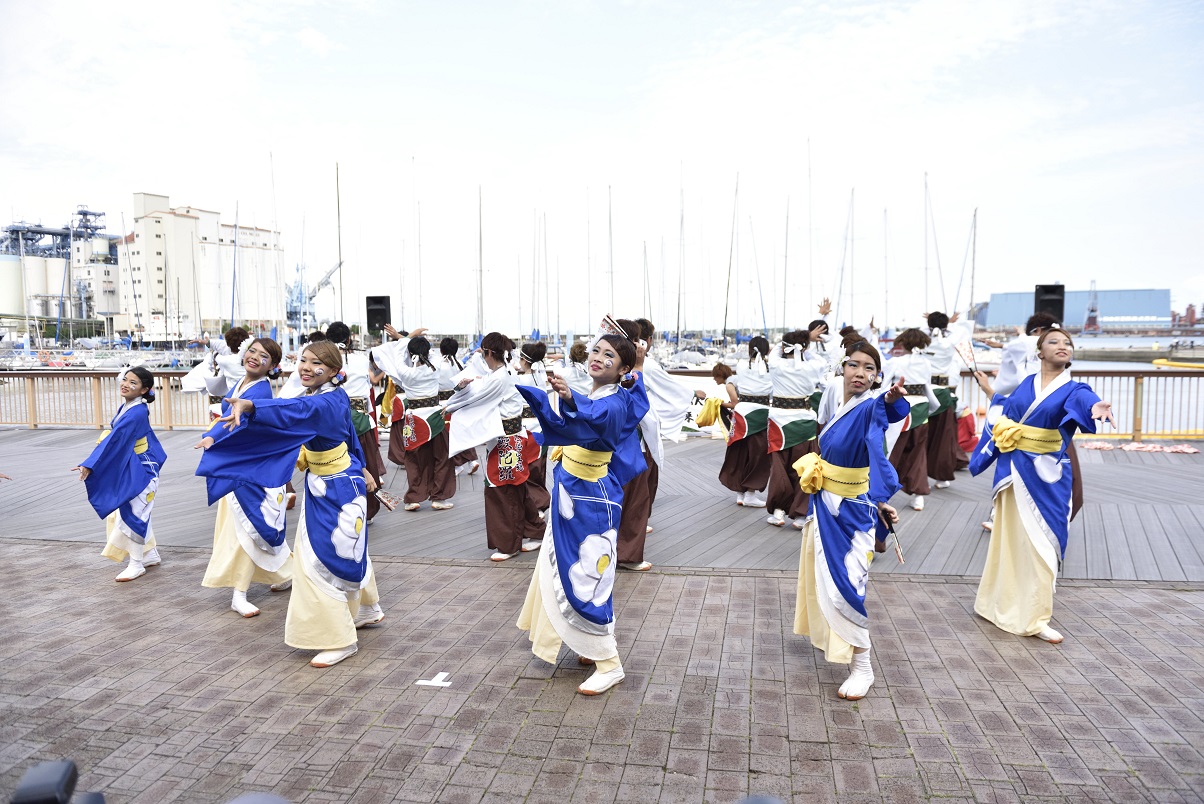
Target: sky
[[554, 148]]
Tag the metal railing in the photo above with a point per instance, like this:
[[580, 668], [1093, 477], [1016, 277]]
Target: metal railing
[[1162, 404]]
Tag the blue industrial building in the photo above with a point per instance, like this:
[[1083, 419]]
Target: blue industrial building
[[1118, 309]]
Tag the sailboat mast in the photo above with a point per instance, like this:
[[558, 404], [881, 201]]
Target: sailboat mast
[[610, 249], [786, 265], [727, 295], [681, 257], [973, 253], [338, 208], [885, 272], [927, 306], [480, 269]]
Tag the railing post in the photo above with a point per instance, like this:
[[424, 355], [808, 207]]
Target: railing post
[[165, 387], [98, 408], [1138, 401], [31, 401]]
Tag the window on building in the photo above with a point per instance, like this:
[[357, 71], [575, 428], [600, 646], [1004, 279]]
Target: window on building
[[158, 253], [204, 237], [158, 235]]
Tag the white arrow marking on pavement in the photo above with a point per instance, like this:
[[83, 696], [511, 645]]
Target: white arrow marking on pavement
[[437, 681]]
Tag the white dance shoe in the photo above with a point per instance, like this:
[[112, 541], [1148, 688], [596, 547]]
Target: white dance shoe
[[152, 558], [1049, 635], [369, 615], [600, 682], [917, 502], [329, 658], [500, 556], [861, 678], [242, 606], [132, 570], [754, 500], [944, 484], [442, 505], [642, 566], [777, 518], [283, 586], [531, 544], [741, 497]]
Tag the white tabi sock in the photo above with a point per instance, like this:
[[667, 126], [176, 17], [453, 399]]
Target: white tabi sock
[[241, 605], [861, 677]]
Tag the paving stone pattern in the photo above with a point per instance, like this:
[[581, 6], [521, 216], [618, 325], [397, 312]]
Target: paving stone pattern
[[161, 693]]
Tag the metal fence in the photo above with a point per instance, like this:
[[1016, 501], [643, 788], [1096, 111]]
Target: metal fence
[[1162, 404]]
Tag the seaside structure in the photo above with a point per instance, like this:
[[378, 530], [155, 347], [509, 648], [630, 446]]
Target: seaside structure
[[1118, 310], [184, 272], [179, 272], [60, 276]]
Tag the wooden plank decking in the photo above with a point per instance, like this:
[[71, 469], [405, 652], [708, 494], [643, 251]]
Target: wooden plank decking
[[1141, 519]]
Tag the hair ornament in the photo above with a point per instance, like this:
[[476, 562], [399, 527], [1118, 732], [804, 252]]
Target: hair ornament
[[150, 394], [339, 378]]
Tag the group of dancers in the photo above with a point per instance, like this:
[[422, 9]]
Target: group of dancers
[[809, 440]]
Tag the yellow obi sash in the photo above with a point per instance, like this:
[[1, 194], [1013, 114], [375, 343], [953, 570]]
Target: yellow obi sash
[[324, 462], [586, 464], [814, 473], [139, 445], [1010, 435]]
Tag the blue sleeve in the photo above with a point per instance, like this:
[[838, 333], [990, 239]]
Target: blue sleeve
[[884, 480], [119, 443], [897, 411], [581, 420], [1078, 410], [985, 453]]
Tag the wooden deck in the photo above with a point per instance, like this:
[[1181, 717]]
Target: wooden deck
[[1141, 519]]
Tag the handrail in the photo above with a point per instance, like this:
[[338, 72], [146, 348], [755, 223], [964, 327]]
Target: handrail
[[1161, 404]]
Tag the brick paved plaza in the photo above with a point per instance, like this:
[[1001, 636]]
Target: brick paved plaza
[[161, 693]]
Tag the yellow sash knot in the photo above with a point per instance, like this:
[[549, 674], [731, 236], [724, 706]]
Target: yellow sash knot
[[324, 462], [814, 473], [586, 464], [1010, 435], [139, 445]]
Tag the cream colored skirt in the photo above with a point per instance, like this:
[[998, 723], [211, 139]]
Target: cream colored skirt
[[547, 628], [809, 618], [1017, 587], [119, 546], [230, 566], [317, 620]]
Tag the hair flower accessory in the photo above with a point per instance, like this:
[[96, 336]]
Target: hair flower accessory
[[339, 378]]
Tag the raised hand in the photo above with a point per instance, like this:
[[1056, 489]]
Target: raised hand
[[825, 306], [392, 332], [204, 443], [560, 386], [238, 409], [895, 392], [1103, 411]]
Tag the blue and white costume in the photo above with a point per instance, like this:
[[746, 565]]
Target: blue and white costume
[[1027, 435], [123, 480], [846, 486], [569, 599], [333, 575], [248, 538]]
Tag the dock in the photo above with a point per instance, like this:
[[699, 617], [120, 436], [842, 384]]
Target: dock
[[1141, 515]]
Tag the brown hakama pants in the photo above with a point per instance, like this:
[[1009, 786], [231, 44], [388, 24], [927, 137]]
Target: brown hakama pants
[[910, 459], [785, 494], [746, 464]]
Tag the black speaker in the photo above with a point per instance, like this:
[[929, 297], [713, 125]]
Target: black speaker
[[378, 313], [1047, 299]]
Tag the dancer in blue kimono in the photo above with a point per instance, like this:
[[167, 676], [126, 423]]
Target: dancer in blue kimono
[[569, 599], [334, 586], [248, 536], [1027, 436], [122, 476], [849, 487]]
